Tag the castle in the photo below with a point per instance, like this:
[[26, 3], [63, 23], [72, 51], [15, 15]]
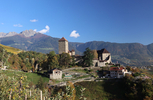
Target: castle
[[103, 55], [63, 47]]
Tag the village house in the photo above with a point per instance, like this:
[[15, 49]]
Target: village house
[[103, 57], [118, 72], [55, 74]]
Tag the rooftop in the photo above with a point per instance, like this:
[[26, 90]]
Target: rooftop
[[62, 39], [116, 68], [103, 51]]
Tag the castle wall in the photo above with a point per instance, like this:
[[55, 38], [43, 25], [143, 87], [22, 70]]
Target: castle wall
[[101, 64], [95, 63], [73, 53], [106, 56]]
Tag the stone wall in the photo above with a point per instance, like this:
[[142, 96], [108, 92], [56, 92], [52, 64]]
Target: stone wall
[[73, 53], [101, 64], [56, 75], [106, 56], [63, 47]]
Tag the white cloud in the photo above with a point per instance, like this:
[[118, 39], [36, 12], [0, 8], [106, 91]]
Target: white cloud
[[44, 30], [2, 23], [74, 34], [35, 30], [18, 25], [34, 20]]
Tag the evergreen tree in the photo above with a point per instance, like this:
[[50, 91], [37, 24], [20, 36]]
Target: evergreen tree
[[88, 57]]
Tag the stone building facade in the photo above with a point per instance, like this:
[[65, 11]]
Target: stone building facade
[[56, 74], [71, 53], [63, 47], [103, 57]]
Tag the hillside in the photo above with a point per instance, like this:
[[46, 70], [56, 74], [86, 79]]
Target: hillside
[[38, 42], [135, 54], [125, 53], [111, 90], [11, 49]]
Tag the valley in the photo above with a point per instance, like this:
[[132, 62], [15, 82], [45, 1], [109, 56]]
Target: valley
[[134, 54]]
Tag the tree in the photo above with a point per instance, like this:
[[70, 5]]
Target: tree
[[53, 62], [64, 60], [72, 90], [88, 57], [73, 61], [95, 54], [51, 54], [40, 84]]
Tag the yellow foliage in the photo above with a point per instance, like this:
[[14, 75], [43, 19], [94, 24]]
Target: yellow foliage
[[95, 53], [11, 49], [72, 89]]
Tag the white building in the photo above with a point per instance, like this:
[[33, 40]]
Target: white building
[[118, 72], [56, 74]]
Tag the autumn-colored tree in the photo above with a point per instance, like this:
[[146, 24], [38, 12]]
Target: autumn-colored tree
[[95, 54], [72, 90]]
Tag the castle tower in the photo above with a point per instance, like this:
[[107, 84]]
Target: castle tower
[[63, 45]]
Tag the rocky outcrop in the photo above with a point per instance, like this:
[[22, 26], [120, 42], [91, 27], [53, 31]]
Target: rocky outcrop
[[7, 34], [28, 33]]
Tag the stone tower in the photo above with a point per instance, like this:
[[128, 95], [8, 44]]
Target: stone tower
[[63, 45]]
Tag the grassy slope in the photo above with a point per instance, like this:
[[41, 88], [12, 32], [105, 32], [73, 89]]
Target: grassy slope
[[103, 90], [33, 77], [11, 49]]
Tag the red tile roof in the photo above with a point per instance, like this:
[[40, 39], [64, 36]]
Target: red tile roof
[[102, 51], [73, 50], [116, 68], [62, 39]]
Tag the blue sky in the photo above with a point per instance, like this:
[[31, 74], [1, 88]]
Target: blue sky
[[121, 21]]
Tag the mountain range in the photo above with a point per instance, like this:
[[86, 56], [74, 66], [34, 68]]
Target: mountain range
[[134, 54]]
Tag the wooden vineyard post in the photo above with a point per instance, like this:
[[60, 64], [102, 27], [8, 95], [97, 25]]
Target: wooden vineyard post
[[25, 96], [30, 93], [10, 94], [40, 95]]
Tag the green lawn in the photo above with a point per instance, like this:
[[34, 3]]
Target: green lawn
[[79, 70], [33, 77], [103, 90]]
